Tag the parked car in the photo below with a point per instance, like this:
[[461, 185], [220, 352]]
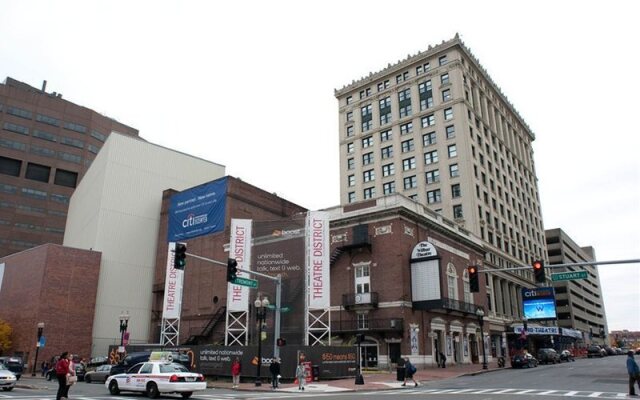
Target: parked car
[[523, 360], [7, 379], [129, 361], [78, 367], [548, 355], [100, 374], [13, 364], [156, 377], [610, 351], [96, 361], [595, 351], [566, 355]]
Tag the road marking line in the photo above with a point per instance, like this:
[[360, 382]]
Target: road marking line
[[482, 391], [503, 391], [525, 391], [595, 394], [572, 393], [547, 392], [462, 391]]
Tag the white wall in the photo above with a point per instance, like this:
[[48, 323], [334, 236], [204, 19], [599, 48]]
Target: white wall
[[116, 210]]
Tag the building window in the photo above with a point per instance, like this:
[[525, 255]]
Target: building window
[[368, 175], [404, 100], [363, 321], [433, 176], [369, 193], [387, 152], [367, 142], [444, 79], [457, 211], [366, 114], [451, 132], [350, 130], [385, 110], [446, 95], [410, 182], [367, 158], [455, 191], [421, 69], [431, 157], [19, 112], [70, 157], [452, 151], [45, 119], [349, 99], [98, 135], [10, 166], [383, 85], [351, 197], [388, 169], [409, 163], [350, 147], [38, 172], [389, 187], [406, 128], [351, 180], [8, 126], [65, 178], [349, 116], [428, 139], [72, 142], [351, 164], [442, 60], [386, 135], [426, 95], [453, 170], [434, 196], [75, 127], [42, 151], [448, 113], [44, 135], [407, 146], [429, 120]]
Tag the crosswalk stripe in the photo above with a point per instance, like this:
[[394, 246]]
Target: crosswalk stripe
[[525, 391], [504, 391], [572, 393], [595, 394], [547, 392]]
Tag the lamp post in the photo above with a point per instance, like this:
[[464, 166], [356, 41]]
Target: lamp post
[[261, 314], [480, 314], [35, 361], [124, 323], [525, 332]]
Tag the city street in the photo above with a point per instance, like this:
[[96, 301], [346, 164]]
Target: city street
[[586, 378]]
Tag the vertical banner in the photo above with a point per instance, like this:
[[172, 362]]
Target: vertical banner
[[318, 249], [240, 249], [172, 287]]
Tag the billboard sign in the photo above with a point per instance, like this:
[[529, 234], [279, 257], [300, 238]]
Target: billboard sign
[[172, 287], [539, 303], [240, 249], [318, 248], [197, 211]]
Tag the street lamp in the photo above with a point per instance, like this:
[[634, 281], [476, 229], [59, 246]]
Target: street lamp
[[124, 323], [35, 361], [480, 314], [525, 332], [261, 314]]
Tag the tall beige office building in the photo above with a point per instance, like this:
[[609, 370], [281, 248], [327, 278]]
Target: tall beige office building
[[436, 128]]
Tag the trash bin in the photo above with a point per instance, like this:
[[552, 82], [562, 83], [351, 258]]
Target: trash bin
[[315, 372], [400, 373]]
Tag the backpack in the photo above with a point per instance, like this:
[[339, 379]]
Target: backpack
[[412, 369], [62, 367]]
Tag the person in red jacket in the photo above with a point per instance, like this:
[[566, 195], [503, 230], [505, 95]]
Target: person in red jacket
[[236, 368], [63, 368]]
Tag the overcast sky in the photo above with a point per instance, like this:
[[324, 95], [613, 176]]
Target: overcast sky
[[250, 85]]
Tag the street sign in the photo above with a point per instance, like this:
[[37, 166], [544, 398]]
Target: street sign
[[282, 309], [569, 276], [250, 283]]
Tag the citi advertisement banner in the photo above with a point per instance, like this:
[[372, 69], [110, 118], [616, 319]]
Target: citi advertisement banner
[[198, 211], [318, 248], [240, 249], [539, 303]]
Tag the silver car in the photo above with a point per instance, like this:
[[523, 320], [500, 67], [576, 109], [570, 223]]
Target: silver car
[[7, 379]]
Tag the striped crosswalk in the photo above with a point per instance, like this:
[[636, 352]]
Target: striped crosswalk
[[507, 392]]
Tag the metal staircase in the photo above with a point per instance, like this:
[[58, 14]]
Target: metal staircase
[[208, 329]]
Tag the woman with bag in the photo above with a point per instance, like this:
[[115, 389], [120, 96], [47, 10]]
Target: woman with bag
[[63, 370]]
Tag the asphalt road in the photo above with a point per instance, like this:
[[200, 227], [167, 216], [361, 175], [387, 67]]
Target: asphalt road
[[604, 378]]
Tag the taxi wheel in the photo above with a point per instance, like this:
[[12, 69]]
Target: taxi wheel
[[113, 387], [186, 395], [152, 390]]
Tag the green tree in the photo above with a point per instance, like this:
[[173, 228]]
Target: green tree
[[5, 336]]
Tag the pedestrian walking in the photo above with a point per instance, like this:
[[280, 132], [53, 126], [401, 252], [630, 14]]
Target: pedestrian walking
[[301, 375], [634, 373], [443, 360], [409, 370], [274, 368], [65, 375], [236, 369]]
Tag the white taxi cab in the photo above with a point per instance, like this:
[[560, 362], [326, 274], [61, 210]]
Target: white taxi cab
[[156, 376]]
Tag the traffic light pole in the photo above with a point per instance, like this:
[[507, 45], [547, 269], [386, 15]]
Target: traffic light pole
[[278, 281], [582, 264]]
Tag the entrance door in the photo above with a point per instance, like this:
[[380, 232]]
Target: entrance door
[[394, 352], [369, 354]]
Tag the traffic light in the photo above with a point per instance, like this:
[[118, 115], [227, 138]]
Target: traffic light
[[474, 285], [180, 256], [538, 271], [281, 342], [232, 269]]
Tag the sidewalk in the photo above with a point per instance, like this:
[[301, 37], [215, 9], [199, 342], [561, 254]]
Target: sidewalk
[[382, 380]]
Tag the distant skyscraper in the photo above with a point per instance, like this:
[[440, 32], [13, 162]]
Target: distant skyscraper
[[437, 129], [46, 145], [579, 302]]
